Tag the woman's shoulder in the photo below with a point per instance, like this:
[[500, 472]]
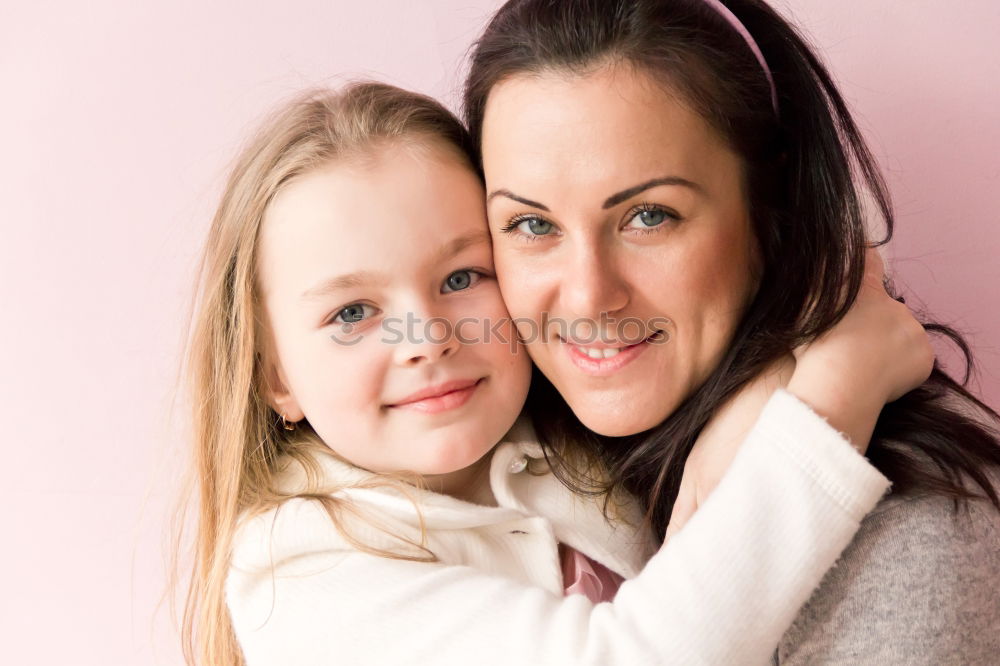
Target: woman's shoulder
[[918, 584], [921, 526], [913, 513]]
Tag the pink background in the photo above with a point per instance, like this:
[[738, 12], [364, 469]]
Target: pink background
[[118, 120]]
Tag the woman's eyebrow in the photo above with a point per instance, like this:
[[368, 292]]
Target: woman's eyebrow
[[627, 194], [514, 197], [614, 199]]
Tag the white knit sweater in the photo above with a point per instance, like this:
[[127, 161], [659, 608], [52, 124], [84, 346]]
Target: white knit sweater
[[723, 591]]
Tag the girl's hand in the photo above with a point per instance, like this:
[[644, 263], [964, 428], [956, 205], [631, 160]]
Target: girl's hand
[[874, 355]]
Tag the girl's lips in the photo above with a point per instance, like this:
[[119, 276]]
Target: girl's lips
[[602, 367], [440, 398]]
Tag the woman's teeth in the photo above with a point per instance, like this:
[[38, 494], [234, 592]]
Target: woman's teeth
[[599, 353]]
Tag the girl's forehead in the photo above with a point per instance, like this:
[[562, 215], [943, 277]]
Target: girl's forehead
[[392, 213]]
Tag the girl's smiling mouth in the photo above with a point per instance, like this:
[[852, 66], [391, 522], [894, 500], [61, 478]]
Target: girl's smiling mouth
[[440, 397]]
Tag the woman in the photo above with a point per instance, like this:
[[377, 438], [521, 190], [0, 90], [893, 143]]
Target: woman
[[693, 162]]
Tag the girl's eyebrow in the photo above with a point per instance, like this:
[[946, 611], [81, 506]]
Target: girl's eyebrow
[[348, 281], [456, 245], [380, 279], [614, 199]]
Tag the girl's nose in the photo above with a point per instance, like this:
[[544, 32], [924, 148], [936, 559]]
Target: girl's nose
[[425, 340]]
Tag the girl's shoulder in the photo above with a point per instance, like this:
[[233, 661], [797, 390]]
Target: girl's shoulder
[[300, 528], [330, 506]]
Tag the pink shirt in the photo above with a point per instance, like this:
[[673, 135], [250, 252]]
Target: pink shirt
[[582, 575]]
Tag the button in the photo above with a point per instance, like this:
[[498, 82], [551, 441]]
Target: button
[[518, 465]]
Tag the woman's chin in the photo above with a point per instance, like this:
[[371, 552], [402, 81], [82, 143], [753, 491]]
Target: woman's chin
[[622, 424]]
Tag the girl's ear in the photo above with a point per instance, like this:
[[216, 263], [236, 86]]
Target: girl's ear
[[277, 394]]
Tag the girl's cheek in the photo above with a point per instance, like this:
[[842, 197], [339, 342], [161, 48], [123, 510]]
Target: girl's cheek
[[353, 339]]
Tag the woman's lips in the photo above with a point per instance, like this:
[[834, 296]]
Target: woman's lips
[[440, 398], [603, 360]]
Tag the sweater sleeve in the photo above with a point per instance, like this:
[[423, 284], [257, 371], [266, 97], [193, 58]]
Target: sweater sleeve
[[723, 590]]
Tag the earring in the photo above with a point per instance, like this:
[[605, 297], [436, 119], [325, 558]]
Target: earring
[[288, 425]]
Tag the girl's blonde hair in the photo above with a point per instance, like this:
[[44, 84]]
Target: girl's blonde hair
[[237, 438]]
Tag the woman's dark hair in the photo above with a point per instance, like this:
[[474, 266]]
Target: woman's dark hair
[[803, 168]]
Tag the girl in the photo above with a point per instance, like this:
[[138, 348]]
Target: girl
[[353, 371], [694, 159]]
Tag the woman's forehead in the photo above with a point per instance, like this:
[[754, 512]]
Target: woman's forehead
[[607, 129]]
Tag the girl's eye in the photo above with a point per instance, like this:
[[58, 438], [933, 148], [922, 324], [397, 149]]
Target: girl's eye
[[353, 313], [529, 226], [460, 280], [648, 217]]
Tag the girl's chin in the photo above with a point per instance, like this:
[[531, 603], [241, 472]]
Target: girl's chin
[[452, 457]]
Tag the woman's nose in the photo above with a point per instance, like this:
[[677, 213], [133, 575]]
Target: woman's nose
[[592, 283]]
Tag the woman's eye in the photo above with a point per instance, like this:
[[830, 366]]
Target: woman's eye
[[648, 218], [537, 226], [530, 226], [460, 280], [353, 313]]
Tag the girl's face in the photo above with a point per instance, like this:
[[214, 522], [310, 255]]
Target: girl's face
[[620, 228], [371, 271]]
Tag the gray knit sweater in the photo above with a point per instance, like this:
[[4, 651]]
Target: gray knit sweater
[[918, 585]]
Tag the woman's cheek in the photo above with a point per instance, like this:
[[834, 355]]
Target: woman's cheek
[[520, 283]]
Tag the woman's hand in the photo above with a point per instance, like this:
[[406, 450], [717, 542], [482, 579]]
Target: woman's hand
[[874, 355]]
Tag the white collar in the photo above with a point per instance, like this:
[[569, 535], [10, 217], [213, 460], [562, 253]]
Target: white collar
[[623, 546]]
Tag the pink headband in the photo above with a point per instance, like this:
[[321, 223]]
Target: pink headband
[[740, 28]]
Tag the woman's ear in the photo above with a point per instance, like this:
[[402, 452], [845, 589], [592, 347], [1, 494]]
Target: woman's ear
[[276, 391]]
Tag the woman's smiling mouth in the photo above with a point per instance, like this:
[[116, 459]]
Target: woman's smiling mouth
[[600, 360]]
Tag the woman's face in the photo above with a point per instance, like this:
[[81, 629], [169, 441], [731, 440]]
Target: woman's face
[[621, 239]]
